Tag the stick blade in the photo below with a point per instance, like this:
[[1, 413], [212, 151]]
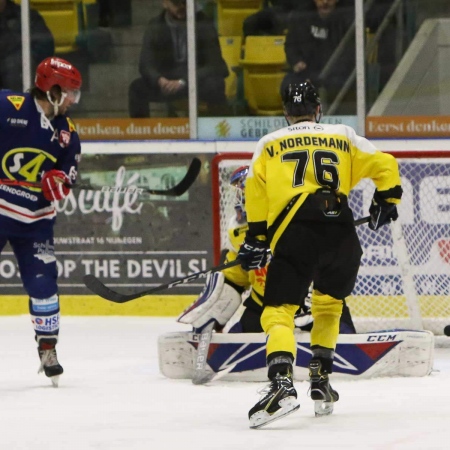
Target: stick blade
[[201, 375], [98, 288], [190, 177], [184, 184]]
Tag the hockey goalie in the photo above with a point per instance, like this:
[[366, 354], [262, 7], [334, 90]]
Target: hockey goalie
[[227, 339]]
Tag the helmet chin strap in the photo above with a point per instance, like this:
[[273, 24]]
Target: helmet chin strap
[[56, 104]]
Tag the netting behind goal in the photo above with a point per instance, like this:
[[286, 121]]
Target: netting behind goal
[[404, 278]]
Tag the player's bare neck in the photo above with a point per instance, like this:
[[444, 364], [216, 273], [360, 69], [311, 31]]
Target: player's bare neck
[[295, 120], [46, 107]]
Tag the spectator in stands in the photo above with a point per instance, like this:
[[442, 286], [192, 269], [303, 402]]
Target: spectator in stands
[[42, 44], [163, 63], [311, 39], [273, 19]]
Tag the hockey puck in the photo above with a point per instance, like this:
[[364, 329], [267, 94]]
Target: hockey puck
[[447, 330]]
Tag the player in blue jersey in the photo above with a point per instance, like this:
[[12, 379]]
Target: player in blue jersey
[[38, 143]]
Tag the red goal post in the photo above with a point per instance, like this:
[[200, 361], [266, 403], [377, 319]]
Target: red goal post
[[404, 278]]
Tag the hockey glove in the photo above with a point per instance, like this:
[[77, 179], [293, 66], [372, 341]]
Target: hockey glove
[[55, 185], [381, 212], [253, 253]]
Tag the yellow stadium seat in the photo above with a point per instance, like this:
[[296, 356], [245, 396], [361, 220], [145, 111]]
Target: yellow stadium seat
[[62, 18], [232, 13], [262, 92], [231, 47], [264, 51], [264, 65]]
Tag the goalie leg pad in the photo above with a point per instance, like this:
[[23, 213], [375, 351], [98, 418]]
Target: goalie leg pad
[[217, 302], [358, 356]]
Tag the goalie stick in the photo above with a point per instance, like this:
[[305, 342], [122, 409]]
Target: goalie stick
[[98, 288], [175, 191], [201, 376]]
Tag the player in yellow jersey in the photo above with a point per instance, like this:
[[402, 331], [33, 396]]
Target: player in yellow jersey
[[296, 203], [214, 306]]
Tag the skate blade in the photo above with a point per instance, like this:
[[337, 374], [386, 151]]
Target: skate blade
[[55, 381], [322, 408], [261, 418]]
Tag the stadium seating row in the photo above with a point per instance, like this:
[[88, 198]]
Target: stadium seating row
[[232, 13], [259, 65], [66, 19]]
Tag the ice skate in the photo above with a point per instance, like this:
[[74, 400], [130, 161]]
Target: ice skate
[[279, 399], [49, 360], [321, 391]]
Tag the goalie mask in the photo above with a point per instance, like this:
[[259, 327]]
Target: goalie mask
[[237, 180], [302, 100]]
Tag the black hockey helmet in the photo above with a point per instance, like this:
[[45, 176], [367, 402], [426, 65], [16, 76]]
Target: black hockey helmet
[[301, 100]]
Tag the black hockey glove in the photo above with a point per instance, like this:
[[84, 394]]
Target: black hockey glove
[[253, 253], [381, 212]]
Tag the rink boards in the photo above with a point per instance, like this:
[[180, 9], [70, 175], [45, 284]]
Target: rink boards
[[92, 305]]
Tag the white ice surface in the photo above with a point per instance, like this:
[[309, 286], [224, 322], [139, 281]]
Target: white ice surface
[[112, 397]]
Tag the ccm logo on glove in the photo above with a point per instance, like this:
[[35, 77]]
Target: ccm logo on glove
[[253, 253], [55, 185]]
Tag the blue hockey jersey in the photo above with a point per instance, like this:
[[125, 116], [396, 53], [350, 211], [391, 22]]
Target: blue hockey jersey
[[30, 145]]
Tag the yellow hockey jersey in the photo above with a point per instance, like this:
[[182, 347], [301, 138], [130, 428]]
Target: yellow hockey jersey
[[254, 279], [300, 159]]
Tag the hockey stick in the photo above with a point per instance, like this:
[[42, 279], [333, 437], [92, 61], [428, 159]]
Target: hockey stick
[[200, 375], [361, 221], [97, 287], [175, 191]]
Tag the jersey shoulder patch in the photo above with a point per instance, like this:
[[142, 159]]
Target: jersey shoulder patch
[[72, 126], [16, 100]]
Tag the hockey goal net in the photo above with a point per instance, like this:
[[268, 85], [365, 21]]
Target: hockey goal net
[[404, 277]]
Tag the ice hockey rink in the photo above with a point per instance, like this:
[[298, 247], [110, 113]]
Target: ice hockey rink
[[112, 397]]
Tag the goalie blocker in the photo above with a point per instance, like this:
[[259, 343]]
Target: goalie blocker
[[242, 356]]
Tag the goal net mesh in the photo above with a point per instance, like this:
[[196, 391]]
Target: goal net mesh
[[393, 289]]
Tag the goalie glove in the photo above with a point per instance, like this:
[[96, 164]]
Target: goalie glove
[[217, 302], [381, 212]]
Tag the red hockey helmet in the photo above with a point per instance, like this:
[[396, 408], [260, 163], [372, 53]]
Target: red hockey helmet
[[57, 71]]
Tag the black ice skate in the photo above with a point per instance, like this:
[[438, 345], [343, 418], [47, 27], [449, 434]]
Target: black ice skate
[[49, 361], [279, 399], [321, 391]]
